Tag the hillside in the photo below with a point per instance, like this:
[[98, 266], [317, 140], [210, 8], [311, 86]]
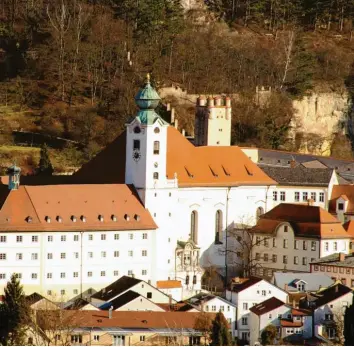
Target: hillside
[[69, 70]]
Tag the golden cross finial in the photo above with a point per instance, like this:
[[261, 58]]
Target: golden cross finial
[[148, 77]]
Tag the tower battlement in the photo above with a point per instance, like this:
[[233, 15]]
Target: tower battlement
[[213, 121]]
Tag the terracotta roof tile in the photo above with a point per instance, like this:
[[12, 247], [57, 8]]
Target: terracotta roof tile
[[239, 287], [289, 324], [168, 284], [62, 203], [131, 319], [307, 221], [267, 306]]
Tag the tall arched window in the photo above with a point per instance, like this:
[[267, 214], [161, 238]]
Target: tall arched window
[[156, 147], [259, 212], [218, 227], [194, 226]]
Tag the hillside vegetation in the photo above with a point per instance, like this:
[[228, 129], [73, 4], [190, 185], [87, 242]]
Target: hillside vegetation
[[70, 68]]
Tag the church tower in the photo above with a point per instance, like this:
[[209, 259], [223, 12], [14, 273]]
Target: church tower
[[146, 143], [213, 121]]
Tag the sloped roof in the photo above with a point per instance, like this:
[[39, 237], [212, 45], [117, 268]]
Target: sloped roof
[[33, 298], [239, 287], [334, 259], [168, 284], [298, 176], [307, 221], [337, 192], [121, 300], [194, 166], [210, 165], [267, 306], [121, 285], [77, 304], [131, 319], [61, 202], [349, 227], [313, 280]]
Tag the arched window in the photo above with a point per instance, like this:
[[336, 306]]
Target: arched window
[[156, 175], [187, 280], [194, 226], [156, 147], [259, 212], [194, 279], [218, 227]]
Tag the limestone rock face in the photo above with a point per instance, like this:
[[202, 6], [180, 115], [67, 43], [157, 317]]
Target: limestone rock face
[[318, 117]]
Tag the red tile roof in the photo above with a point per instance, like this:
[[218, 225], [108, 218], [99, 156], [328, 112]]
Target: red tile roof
[[168, 284], [338, 191], [195, 166], [267, 306], [307, 221], [242, 285], [85, 202], [287, 323]]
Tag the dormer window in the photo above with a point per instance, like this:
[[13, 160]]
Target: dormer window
[[73, 218], [300, 286], [47, 219], [114, 218], [126, 217], [137, 130], [83, 219], [100, 218], [59, 219], [137, 217], [29, 219], [340, 206]]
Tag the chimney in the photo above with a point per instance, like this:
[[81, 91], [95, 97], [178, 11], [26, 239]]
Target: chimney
[[292, 163], [294, 303], [170, 301], [210, 101], [285, 287], [201, 101], [227, 102], [217, 101], [341, 256], [183, 132], [176, 123], [310, 202], [168, 107], [336, 288], [110, 312], [172, 115]]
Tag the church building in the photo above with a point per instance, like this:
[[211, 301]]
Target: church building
[[150, 205]]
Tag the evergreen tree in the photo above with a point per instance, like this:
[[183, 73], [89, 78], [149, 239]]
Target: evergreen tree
[[269, 335], [349, 326], [45, 166], [14, 314], [220, 334]]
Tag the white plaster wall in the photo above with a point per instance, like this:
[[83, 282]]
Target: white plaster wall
[[137, 263], [140, 304], [176, 293], [342, 246]]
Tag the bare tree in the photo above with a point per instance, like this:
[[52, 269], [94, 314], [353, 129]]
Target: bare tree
[[288, 47]]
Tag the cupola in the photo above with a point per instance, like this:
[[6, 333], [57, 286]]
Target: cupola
[[14, 173]]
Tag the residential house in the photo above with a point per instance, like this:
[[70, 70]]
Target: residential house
[[171, 287], [212, 303], [246, 293], [122, 328], [39, 302], [291, 236], [328, 307], [298, 184], [300, 282], [125, 284], [292, 324], [131, 301], [338, 266]]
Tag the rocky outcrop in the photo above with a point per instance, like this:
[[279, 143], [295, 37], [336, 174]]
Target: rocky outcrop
[[318, 118]]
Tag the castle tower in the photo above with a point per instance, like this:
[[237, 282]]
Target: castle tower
[[213, 121], [14, 173], [146, 143]]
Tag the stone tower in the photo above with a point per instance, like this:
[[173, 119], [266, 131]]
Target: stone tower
[[213, 121]]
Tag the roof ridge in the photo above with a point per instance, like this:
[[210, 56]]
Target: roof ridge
[[30, 199]]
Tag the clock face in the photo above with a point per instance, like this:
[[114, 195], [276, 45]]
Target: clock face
[[136, 155]]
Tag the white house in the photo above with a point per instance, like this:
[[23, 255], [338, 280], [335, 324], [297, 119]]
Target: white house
[[212, 303], [171, 288], [290, 323], [126, 284], [290, 236], [328, 308], [246, 293]]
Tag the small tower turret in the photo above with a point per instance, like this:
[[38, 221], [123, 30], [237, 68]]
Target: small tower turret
[[14, 173]]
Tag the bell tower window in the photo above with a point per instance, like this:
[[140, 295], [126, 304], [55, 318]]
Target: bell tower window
[[194, 226], [156, 175], [136, 144], [156, 147], [218, 227], [137, 130]]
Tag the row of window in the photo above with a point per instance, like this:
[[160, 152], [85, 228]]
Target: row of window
[[64, 238], [218, 227], [274, 258], [156, 148], [334, 269], [34, 256], [265, 242], [213, 308], [305, 196], [335, 246], [63, 275]]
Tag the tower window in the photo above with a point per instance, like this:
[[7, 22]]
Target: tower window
[[218, 227], [156, 147], [156, 130], [194, 226], [137, 130], [156, 175], [136, 144]]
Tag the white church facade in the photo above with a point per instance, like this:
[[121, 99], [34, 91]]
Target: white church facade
[[150, 205]]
